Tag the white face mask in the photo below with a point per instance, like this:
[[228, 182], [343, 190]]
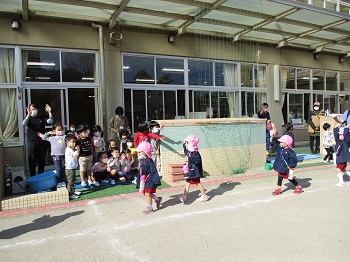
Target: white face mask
[[104, 160], [88, 131], [265, 109], [129, 144], [316, 108], [59, 133], [71, 144], [140, 157], [34, 113], [97, 134], [84, 135], [155, 130], [72, 129]]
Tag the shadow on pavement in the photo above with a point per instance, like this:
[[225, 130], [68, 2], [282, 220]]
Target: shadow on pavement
[[43, 222], [304, 182], [222, 188]]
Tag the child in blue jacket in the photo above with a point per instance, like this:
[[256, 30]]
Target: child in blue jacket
[[342, 139], [285, 162]]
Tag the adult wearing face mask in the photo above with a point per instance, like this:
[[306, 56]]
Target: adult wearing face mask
[[264, 114], [36, 147], [117, 124], [314, 127]]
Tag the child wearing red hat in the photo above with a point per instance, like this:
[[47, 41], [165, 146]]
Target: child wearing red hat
[[285, 162], [195, 168]]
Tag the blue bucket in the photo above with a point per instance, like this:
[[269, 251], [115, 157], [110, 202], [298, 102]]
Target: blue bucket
[[42, 182]]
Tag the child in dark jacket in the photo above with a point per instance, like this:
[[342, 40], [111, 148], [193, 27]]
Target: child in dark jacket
[[342, 139], [195, 168], [285, 162], [149, 178]]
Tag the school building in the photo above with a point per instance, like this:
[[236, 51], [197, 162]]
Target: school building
[[170, 59]]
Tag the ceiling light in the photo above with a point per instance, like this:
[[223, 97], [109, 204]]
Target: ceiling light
[[88, 78], [173, 70], [144, 80], [126, 67], [41, 64]]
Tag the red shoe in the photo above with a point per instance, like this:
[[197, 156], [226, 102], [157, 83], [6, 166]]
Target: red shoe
[[276, 192], [297, 190]]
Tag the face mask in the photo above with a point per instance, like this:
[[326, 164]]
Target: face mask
[[84, 135], [88, 131], [104, 160], [316, 108], [72, 129], [34, 113], [97, 134], [155, 130], [265, 109], [141, 157], [59, 133], [71, 144], [129, 144]]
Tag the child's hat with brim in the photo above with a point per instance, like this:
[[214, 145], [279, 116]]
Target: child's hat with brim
[[288, 140]]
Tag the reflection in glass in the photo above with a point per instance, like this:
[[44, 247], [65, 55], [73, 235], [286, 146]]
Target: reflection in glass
[[138, 69], [296, 108], [170, 71], [200, 72], [303, 79], [318, 79], [40, 66], [82, 106], [331, 81], [78, 67], [199, 104], [247, 101], [139, 105], [246, 75], [7, 65], [226, 74], [260, 76], [155, 104]]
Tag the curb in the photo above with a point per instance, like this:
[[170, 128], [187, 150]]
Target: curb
[[92, 201]]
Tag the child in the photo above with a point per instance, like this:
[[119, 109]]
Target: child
[[328, 142], [342, 138], [99, 143], [100, 170], [123, 140], [56, 138], [85, 155], [71, 160], [195, 168], [130, 146], [143, 134], [289, 131], [285, 162], [125, 168], [134, 165], [114, 164], [155, 152], [112, 144], [149, 178]]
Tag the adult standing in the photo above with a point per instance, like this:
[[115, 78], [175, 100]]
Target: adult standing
[[264, 114], [36, 147], [117, 124], [314, 127]]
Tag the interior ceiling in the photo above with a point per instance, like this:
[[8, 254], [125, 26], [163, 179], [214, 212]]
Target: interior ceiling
[[282, 23]]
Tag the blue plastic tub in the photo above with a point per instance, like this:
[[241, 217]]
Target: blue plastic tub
[[42, 182]]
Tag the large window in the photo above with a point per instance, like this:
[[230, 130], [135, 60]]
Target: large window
[[78, 67], [8, 97], [138, 70], [200, 73], [170, 71]]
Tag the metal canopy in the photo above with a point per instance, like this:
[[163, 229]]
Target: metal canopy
[[280, 23]]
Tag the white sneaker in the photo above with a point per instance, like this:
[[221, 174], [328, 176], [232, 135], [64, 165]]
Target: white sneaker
[[347, 172], [63, 184], [203, 198], [90, 182], [134, 181], [325, 161], [77, 193], [83, 183], [105, 181], [96, 183], [340, 184], [59, 185], [112, 182], [73, 197]]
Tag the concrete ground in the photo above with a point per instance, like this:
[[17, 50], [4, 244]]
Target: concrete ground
[[242, 221]]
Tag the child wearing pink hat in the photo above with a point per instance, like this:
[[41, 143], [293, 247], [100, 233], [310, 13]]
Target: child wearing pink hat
[[285, 162], [195, 168], [149, 178]]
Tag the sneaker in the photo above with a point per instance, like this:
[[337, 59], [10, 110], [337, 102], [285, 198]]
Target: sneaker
[[276, 192], [325, 161], [105, 181], [63, 184], [267, 153], [185, 177], [182, 198], [203, 198], [73, 197], [77, 193], [340, 184], [134, 181], [297, 190], [112, 182], [96, 183], [90, 182], [147, 211], [347, 172], [59, 185], [158, 202], [83, 183]]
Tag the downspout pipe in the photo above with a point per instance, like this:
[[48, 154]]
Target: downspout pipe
[[102, 116]]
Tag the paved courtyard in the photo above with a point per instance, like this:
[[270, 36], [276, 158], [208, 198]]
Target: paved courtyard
[[242, 221]]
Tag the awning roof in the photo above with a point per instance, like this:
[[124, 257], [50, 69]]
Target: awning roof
[[278, 22]]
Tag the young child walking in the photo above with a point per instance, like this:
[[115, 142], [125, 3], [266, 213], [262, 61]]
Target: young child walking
[[195, 168], [56, 137], [328, 142], [285, 162], [71, 160], [342, 139], [149, 178]]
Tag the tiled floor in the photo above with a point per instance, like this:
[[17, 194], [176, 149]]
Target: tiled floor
[[35, 200]]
